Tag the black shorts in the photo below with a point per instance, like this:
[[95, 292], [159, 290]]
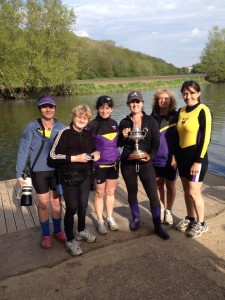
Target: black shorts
[[43, 181], [185, 159], [184, 171], [101, 174], [168, 173]]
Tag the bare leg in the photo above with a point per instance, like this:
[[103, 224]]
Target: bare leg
[[56, 205], [99, 200], [43, 204], [198, 202], [110, 187], [170, 193], [160, 190], [187, 197]]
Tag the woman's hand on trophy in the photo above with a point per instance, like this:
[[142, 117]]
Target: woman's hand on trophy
[[126, 132], [145, 159]]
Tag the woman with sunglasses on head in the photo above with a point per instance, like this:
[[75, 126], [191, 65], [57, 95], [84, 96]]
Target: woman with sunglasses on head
[[72, 153], [193, 135], [105, 132], [43, 175], [133, 167], [164, 112]]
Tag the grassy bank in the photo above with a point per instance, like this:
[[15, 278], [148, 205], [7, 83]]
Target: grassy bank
[[123, 85], [107, 85]]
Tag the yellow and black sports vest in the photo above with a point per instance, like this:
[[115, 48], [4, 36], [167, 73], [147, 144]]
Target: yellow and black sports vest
[[188, 128]]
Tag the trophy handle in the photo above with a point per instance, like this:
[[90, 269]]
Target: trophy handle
[[145, 130]]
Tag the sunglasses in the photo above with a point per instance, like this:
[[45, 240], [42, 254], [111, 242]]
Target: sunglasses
[[106, 98], [135, 101]]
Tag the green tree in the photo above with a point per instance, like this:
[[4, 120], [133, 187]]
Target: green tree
[[11, 44], [51, 45], [213, 56], [103, 59], [196, 69], [38, 48]]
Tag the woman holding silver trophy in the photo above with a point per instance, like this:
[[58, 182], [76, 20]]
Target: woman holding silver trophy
[[34, 146], [139, 137]]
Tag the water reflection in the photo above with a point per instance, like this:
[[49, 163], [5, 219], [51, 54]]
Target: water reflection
[[16, 114]]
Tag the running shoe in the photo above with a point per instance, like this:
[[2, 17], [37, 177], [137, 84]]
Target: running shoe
[[112, 223], [74, 248], [168, 217], [86, 235], [197, 230], [185, 224], [101, 227]]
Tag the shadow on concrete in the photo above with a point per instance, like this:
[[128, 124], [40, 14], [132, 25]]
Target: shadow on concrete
[[119, 265], [140, 268]]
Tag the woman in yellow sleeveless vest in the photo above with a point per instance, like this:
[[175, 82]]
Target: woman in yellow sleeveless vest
[[193, 133]]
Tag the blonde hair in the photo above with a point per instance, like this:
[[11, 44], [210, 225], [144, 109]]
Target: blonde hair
[[156, 96], [82, 109]]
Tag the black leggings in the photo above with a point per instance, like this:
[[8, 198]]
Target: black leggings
[[147, 176], [76, 200]]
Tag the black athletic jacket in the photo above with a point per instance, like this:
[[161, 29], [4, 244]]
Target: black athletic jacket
[[149, 144]]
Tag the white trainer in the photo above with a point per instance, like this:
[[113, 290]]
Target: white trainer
[[112, 223], [101, 228], [74, 248], [168, 217], [86, 235]]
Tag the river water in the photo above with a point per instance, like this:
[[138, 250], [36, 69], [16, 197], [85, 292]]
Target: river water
[[14, 115]]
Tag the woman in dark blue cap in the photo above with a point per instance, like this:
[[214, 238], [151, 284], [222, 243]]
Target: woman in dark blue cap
[[139, 163], [43, 176]]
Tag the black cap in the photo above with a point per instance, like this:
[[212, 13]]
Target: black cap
[[134, 95]]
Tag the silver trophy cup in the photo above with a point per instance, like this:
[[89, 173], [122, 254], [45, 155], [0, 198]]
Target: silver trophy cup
[[136, 135]]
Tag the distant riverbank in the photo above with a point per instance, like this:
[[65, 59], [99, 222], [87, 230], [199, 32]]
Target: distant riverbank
[[112, 85], [106, 81], [117, 85]]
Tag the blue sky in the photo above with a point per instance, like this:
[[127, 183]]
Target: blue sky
[[175, 31]]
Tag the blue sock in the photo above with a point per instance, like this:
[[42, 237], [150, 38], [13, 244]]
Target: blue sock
[[45, 228], [134, 206], [156, 212], [57, 225]]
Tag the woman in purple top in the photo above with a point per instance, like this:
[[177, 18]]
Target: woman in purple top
[[164, 112], [105, 132]]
